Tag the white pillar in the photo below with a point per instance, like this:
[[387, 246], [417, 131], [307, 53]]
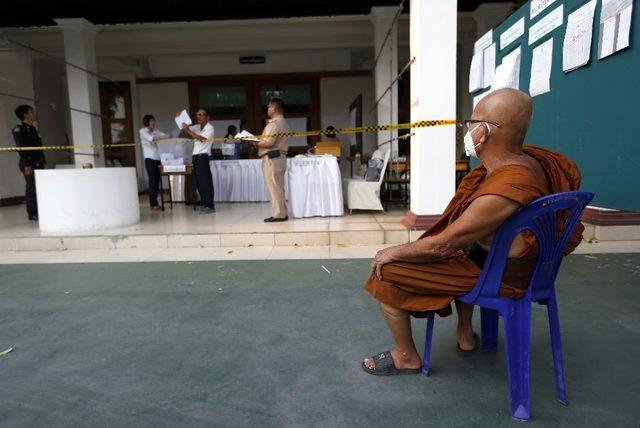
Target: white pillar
[[79, 49], [385, 71], [433, 35]]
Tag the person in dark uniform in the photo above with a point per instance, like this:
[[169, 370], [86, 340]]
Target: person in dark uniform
[[26, 135]]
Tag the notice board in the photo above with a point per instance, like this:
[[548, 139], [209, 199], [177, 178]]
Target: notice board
[[591, 114]]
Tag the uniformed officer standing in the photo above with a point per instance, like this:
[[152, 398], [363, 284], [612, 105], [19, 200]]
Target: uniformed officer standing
[[273, 151], [26, 135]]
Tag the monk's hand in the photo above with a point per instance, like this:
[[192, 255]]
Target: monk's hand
[[382, 258]]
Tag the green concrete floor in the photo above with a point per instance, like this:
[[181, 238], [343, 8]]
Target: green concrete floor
[[279, 343]]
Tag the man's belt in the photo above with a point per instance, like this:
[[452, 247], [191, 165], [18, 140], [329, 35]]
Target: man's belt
[[272, 154]]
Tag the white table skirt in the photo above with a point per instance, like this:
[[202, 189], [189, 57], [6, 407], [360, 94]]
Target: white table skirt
[[238, 180], [316, 184], [315, 187]]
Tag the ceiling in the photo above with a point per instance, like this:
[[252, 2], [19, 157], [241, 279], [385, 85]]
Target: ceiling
[[19, 13]]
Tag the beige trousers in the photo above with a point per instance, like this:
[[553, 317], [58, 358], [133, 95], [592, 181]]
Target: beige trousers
[[274, 171]]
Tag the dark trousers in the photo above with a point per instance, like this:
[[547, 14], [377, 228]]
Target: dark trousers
[[154, 179], [204, 180], [30, 191]]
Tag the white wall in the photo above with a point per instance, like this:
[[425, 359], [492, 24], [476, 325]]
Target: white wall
[[336, 95], [15, 78], [163, 101], [229, 63]]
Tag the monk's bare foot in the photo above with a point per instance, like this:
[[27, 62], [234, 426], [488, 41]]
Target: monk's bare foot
[[466, 340], [407, 360]]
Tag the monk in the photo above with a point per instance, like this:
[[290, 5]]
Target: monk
[[446, 261]]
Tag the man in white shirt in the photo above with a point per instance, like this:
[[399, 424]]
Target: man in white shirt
[[202, 132], [149, 136]]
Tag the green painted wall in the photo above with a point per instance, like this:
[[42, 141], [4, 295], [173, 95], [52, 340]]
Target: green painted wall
[[592, 114]]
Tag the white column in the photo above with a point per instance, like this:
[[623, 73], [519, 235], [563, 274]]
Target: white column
[[385, 71], [79, 49], [433, 34]]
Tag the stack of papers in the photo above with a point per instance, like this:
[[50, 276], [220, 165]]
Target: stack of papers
[[245, 135], [577, 39], [508, 72]]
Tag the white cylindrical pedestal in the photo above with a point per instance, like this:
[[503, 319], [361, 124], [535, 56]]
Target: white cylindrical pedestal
[[78, 200]]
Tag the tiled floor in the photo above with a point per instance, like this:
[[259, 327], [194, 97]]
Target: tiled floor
[[229, 218], [234, 232], [233, 225]]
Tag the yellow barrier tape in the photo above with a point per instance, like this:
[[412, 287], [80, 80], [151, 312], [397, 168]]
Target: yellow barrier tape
[[356, 130]]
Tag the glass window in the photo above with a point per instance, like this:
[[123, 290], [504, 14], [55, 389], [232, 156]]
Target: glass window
[[118, 133], [297, 98], [115, 100], [223, 100]]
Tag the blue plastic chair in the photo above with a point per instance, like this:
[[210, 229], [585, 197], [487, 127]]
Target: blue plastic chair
[[541, 218]]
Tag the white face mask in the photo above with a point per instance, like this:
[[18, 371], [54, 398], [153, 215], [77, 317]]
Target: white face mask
[[469, 147]]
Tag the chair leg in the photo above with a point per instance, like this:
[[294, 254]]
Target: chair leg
[[427, 344], [556, 349], [489, 322], [517, 325]]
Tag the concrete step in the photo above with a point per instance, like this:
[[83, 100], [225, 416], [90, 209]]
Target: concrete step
[[368, 236]]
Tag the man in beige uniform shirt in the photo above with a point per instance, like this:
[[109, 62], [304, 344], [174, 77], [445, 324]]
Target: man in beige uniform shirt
[[273, 152]]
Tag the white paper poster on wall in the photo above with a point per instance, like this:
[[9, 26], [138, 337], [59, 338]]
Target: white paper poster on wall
[[547, 24], [489, 65], [508, 72], [475, 72], [576, 49], [512, 34], [615, 24], [541, 68], [538, 6], [483, 42]]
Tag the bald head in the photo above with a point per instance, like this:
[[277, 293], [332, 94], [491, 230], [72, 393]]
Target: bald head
[[511, 109]]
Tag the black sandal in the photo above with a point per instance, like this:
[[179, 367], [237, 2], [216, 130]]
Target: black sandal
[[467, 352], [384, 366]]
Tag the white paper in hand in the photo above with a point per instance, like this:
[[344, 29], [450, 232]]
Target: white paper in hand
[[183, 117], [245, 135]]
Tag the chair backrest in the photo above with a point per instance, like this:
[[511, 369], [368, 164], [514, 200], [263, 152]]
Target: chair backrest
[[552, 220], [387, 155]]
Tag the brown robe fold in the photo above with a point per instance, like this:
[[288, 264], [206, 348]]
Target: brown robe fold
[[419, 287]]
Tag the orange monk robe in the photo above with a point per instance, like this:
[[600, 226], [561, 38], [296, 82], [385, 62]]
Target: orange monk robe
[[419, 287]]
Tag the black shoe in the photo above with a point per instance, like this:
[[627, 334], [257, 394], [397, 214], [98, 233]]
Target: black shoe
[[268, 220], [276, 220], [33, 217]]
